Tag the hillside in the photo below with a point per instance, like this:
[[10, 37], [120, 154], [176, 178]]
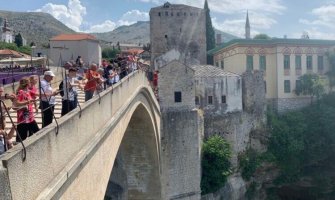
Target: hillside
[[139, 33], [35, 27]]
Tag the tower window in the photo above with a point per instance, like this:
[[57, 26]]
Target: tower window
[[223, 99], [159, 14], [166, 36], [210, 99], [197, 100], [177, 97]]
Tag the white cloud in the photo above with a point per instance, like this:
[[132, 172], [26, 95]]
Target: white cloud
[[258, 23], [132, 17], [325, 16], [229, 6], [103, 27], [261, 13], [127, 19], [71, 15], [315, 33]]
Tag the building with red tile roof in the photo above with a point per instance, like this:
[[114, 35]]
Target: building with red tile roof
[[66, 47]]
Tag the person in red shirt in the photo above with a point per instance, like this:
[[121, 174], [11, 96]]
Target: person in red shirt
[[92, 80], [33, 90], [27, 125]]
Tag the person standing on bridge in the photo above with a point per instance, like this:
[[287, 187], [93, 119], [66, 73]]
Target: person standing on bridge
[[48, 99], [27, 125], [70, 93], [92, 80]]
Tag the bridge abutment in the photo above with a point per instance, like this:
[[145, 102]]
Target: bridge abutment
[[181, 154]]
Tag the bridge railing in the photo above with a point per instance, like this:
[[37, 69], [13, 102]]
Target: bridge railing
[[47, 154]]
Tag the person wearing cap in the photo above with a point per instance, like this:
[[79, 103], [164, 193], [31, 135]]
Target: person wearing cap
[[48, 98], [70, 93]]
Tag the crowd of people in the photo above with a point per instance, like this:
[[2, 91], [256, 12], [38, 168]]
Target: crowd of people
[[92, 80]]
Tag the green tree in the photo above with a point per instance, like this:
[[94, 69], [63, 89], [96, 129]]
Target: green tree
[[18, 40], [331, 73], [210, 33], [216, 166], [310, 84], [109, 53], [249, 161], [262, 36]]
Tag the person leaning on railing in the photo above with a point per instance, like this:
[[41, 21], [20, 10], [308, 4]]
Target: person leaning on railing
[[5, 138], [48, 99], [70, 93], [92, 80], [26, 124]]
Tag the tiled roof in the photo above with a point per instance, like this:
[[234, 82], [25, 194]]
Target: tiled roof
[[135, 51], [210, 71], [12, 53], [73, 37], [272, 41]]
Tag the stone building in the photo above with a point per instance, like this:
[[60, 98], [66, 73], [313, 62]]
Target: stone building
[[7, 33], [217, 91], [65, 47], [181, 27], [176, 83]]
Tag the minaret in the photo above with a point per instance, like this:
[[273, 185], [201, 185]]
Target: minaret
[[6, 35], [247, 27]]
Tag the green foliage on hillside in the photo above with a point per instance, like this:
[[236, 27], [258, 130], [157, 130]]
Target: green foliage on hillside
[[303, 144], [216, 167], [248, 163], [12, 46], [35, 27]]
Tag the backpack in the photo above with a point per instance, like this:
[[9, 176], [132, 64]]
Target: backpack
[[61, 89]]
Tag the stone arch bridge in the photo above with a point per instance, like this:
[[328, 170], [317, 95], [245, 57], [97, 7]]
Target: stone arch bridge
[[122, 126]]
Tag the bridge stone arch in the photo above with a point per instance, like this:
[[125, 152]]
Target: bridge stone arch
[[136, 170], [77, 163]]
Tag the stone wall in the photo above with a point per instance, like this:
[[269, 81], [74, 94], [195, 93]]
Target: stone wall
[[181, 27], [180, 142], [289, 104], [253, 92], [233, 190], [235, 128]]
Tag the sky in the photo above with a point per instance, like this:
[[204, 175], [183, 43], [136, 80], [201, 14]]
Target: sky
[[276, 18]]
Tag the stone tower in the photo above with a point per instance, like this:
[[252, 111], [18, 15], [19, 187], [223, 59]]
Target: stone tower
[[247, 27], [181, 130], [181, 27], [6, 35]]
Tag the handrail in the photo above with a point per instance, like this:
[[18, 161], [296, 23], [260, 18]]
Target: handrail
[[17, 133]]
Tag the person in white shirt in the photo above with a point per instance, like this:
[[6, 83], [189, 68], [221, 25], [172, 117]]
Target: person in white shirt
[[70, 92], [48, 98]]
